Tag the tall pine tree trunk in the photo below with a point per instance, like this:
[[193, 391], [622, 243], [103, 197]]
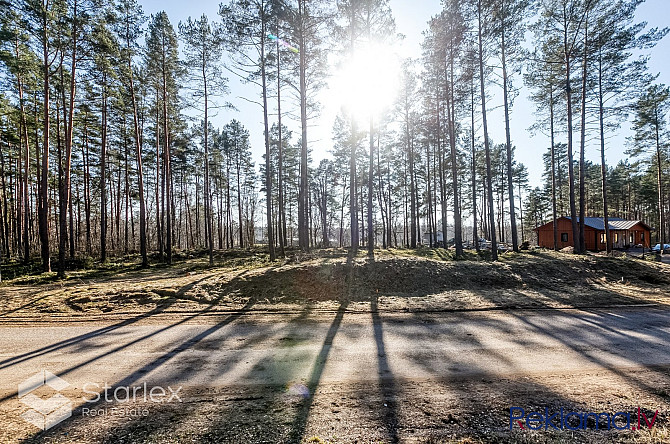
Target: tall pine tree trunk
[[69, 126], [140, 174], [303, 220], [489, 173], [43, 208], [508, 146], [603, 164], [451, 117], [553, 167], [208, 196], [353, 200], [371, 230], [167, 169], [571, 170], [158, 183], [281, 213], [268, 161], [582, 145], [473, 172], [442, 173], [659, 174], [103, 173]]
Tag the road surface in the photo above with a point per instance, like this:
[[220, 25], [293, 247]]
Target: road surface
[[300, 354]]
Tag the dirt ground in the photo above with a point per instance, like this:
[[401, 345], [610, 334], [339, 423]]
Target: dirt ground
[[472, 410]]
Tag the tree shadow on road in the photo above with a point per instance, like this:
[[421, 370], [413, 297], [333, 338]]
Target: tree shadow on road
[[386, 382]]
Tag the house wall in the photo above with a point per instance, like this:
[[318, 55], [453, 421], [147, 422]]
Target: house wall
[[592, 237], [546, 235], [635, 235]]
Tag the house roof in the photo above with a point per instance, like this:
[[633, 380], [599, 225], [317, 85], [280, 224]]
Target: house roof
[[625, 224], [615, 223], [598, 223]]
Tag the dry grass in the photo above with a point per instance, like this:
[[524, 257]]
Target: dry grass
[[423, 279]]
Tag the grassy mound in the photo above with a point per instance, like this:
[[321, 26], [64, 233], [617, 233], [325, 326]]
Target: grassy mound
[[567, 279], [397, 280]]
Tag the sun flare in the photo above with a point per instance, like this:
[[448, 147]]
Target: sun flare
[[367, 82]]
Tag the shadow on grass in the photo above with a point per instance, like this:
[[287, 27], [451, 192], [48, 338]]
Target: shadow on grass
[[540, 280]]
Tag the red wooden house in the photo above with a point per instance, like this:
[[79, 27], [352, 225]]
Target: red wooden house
[[623, 233]]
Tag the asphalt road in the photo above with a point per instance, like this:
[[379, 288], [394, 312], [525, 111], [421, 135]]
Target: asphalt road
[[247, 349]]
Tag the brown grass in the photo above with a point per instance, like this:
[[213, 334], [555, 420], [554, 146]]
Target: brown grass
[[396, 280]]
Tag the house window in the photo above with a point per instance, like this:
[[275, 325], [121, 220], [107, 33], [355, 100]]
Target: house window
[[602, 238], [631, 238], [616, 237], [642, 237], [564, 237]]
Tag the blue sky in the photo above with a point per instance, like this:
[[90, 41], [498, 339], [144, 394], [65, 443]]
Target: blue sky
[[411, 17]]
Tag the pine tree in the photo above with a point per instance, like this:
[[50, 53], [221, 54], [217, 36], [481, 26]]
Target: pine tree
[[481, 30], [618, 77], [246, 24], [509, 29], [650, 127], [203, 49], [163, 63], [306, 22], [561, 21]]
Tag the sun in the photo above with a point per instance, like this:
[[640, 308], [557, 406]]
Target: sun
[[367, 82]]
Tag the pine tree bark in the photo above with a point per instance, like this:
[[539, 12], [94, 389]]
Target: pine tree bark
[[508, 145], [473, 172], [281, 213], [553, 166], [489, 173], [582, 145], [441, 162], [303, 228], [268, 161], [451, 123], [371, 229], [571, 172], [43, 207], [659, 174], [138, 161], [167, 169], [25, 204], [208, 196], [603, 164]]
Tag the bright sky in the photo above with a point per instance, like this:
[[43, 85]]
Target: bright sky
[[411, 17]]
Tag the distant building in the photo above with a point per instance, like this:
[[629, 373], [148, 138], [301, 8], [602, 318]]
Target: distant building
[[623, 233]]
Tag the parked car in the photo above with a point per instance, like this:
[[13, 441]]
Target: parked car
[[484, 244], [657, 248], [504, 247]]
